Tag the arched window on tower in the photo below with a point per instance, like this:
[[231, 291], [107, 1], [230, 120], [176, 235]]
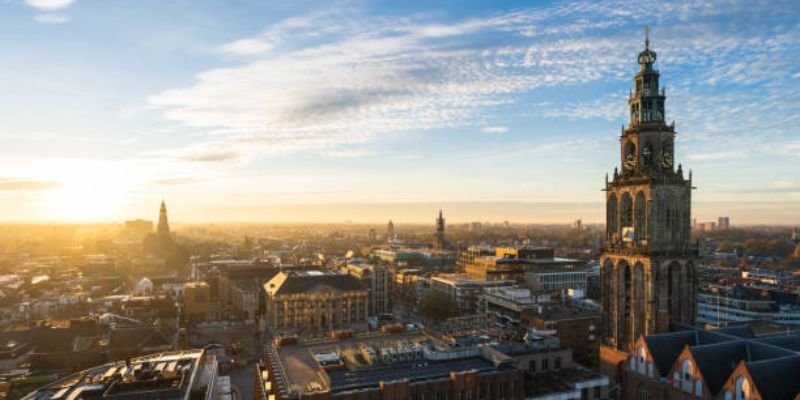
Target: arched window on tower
[[611, 217], [626, 218], [640, 217]]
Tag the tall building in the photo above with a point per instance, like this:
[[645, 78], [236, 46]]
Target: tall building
[[724, 223], [390, 230], [438, 236], [163, 225], [649, 267]]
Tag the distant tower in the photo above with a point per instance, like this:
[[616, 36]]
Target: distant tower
[[649, 265], [163, 235], [390, 230], [438, 237], [163, 224], [795, 235]]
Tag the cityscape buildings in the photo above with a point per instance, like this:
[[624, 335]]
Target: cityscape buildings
[[650, 305]]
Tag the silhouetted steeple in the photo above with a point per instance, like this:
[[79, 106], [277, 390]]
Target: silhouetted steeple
[[438, 236], [163, 224]]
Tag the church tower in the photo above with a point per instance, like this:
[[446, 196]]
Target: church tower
[[163, 225], [648, 263], [438, 237]]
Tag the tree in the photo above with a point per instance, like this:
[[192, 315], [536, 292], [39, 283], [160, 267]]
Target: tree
[[725, 247], [438, 306]]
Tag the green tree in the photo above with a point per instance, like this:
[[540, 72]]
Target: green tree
[[438, 306], [725, 247]]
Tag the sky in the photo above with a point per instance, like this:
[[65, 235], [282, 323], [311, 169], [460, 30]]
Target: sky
[[258, 111]]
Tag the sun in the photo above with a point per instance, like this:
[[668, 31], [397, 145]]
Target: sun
[[87, 192]]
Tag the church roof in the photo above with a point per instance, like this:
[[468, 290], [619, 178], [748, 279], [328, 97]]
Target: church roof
[[777, 379], [717, 361], [665, 348]]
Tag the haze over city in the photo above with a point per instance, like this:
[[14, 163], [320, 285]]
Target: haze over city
[[365, 111]]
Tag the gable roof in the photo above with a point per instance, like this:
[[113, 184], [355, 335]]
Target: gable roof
[[666, 347], [716, 362], [776, 379]]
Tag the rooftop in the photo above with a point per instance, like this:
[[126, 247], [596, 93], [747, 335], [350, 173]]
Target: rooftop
[[357, 364], [166, 376]]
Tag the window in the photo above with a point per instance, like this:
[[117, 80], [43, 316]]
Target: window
[[742, 388], [641, 359], [597, 393], [544, 364], [642, 393], [557, 363], [687, 375], [698, 388], [532, 366]]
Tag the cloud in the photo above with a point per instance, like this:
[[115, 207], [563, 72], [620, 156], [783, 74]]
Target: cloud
[[27, 185], [209, 154], [494, 129], [247, 47], [721, 155], [329, 80], [349, 153], [570, 144], [50, 5], [176, 181], [52, 18]]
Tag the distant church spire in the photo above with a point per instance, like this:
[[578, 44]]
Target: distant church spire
[[163, 224], [438, 236]]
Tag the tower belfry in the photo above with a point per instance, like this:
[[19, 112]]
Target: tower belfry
[[648, 263]]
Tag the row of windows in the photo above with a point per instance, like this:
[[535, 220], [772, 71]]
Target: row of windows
[[545, 364]]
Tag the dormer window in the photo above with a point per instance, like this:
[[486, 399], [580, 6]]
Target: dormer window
[[742, 388], [641, 360], [687, 376]]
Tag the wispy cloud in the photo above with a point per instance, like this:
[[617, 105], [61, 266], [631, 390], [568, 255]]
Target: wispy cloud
[[721, 155], [349, 153], [27, 185], [350, 79], [493, 130], [52, 18], [176, 181], [50, 5]]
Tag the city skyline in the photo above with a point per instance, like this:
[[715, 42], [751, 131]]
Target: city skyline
[[368, 111]]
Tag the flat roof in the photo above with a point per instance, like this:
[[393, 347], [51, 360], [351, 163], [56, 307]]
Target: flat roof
[[300, 371], [166, 376]]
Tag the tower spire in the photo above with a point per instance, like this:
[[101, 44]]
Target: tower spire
[[647, 37], [163, 222]]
